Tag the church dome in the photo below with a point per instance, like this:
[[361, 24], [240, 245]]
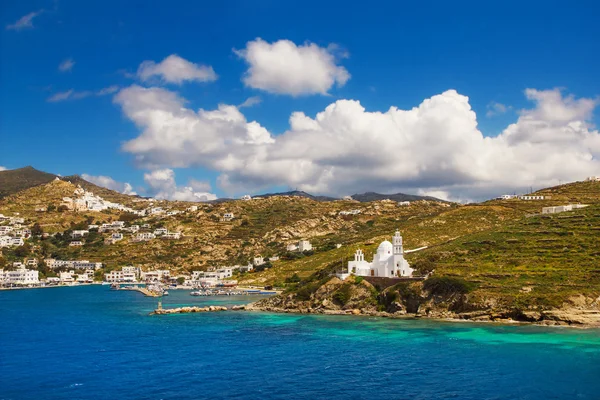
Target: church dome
[[385, 248]]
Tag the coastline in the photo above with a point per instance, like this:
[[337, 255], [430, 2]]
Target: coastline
[[49, 286], [559, 323]]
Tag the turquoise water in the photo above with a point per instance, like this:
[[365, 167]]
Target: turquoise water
[[93, 343]]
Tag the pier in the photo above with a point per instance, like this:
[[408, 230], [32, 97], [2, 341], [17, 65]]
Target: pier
[[145, 291]]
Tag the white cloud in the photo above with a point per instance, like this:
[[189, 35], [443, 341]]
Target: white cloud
[[434, 147], [108, 90], [66, 65], [163, 186], [24, 22], [61, 96], [3, 168], [175, 69], [285, 68], [494, 108], [178, 137], [110, 183], [71, 94], [250, 101]]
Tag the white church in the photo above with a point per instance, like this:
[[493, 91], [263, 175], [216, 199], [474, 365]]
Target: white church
[[388, 261]]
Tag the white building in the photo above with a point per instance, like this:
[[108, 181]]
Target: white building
[[212, 276], [192, 208], [172, 235], [154, 276], [246, 268], [404, 203], [16, 242], [144, 237], [246, 197], [31, 262], [388, 261], [259, 260], [79, 234], [304, 245], [131, 273], [593, 179], [559, 209], [160, 231], [66, 277], [116, 236], [21, 276], [532, 197], [76, 243], [291, 247], [113, 276], [76, 264], [228, 216]]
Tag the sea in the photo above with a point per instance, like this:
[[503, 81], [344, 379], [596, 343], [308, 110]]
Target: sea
[[90, 342]]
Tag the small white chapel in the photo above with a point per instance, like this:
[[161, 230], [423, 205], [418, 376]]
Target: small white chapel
[[387, 262]]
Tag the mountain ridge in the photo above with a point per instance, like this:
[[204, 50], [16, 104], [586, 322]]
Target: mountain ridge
[[16, 180]]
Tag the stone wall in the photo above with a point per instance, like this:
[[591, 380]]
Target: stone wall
[[384, 282]]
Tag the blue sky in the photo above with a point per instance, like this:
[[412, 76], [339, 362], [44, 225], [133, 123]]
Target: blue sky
[[396, 53]]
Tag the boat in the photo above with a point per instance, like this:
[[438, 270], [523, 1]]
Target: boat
[[165, 293]]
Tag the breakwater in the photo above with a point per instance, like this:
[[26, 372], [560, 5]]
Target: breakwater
[[195, 309]]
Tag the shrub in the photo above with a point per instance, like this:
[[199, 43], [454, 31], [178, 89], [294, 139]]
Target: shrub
[[446, 285], [342, 295], [358, 279], [292, 279]]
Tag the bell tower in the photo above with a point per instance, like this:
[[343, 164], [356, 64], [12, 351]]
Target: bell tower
[[397, 242]]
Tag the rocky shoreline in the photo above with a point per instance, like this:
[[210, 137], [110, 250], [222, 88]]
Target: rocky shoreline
[[570, 318], [360, 298]]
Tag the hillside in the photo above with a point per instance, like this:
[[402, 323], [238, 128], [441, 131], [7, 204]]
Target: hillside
[[535, 267], [372, 196], [15, 180]]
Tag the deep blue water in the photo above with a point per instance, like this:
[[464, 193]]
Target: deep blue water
[[93, 343]]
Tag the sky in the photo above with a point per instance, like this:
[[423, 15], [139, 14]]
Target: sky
[[197, 100]]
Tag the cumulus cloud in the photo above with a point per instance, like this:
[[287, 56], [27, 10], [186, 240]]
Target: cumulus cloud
[[434, 147], [66, 65], [162, 185], [24, 22], [178, 137], [494, 109], [3, 168], [175, 69], [71, 94], [110, 183], [283, 67]]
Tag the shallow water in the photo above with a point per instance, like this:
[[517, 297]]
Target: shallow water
[[93, 343]]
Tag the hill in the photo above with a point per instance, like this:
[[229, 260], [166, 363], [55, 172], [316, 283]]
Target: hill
[[527, 266], [15, 180], [105, 193], [372, 196], [299, 193]]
